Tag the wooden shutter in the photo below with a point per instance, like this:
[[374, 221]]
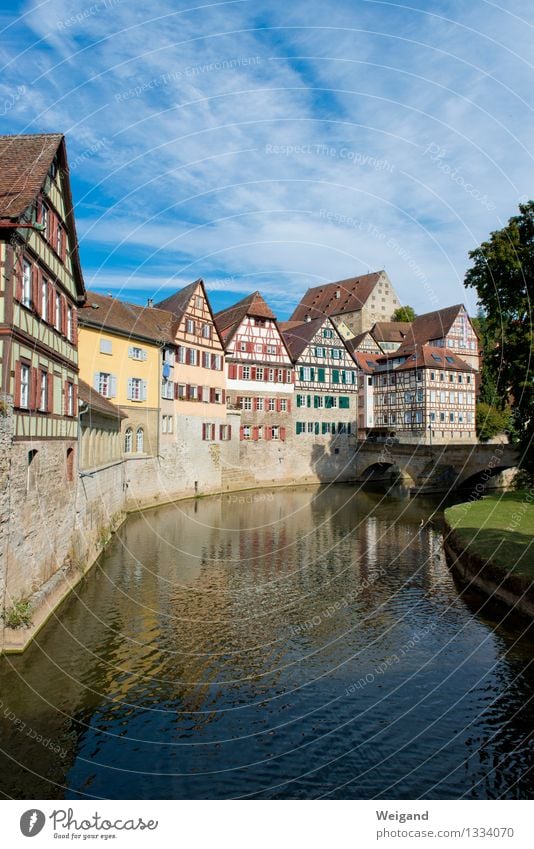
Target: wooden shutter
[[16, 397], [268, 431], [175, 391], [289, 405], [255, 434], [278, 405], [212, 432], [212, 396], [241, 433], [204, 426], [74, 326], [51, 304], [275, 375], [50, 392], [188, 391], [63, 315], [143, 390], [232, 371], [229, 432], [112, 386], [250, 347], [253, 373], [213, 361], [240, 372], [292, 377], [223, 396], [129, 393], [200, 393], [283, 434], [238, 400]]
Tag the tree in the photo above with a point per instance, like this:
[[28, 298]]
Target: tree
[[503, 276], [490, 421], [406, 313]]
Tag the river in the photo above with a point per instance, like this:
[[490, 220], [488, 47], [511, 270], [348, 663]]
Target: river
[[299, 643]]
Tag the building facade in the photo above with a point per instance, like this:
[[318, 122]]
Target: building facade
[[326, 382], [260, 377]]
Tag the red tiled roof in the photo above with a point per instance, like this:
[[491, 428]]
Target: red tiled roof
[[227, 321], [390, 331], [97, 402], [107, 313], [325, 300], [299, 335], [179, 301], [434, 325], [427, 356], [366, 361]]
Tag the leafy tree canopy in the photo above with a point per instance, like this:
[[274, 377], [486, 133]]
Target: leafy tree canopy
[[406, 313]]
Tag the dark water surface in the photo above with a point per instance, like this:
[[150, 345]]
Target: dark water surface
[[289, 644]]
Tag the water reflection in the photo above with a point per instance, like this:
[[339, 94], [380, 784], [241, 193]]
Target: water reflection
[[285, 644]]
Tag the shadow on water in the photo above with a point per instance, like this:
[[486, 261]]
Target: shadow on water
[[280, 644]]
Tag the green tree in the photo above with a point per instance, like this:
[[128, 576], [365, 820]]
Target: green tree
[[406, 313], [503, 276], [490, 421]]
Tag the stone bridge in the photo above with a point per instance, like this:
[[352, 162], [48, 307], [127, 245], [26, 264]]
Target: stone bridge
[[439, 468]]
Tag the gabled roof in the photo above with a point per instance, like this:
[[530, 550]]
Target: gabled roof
[[147, 323], [434, 325], [97, 402], [299, 335], [336, 298], [390, 331], [365, 360], [228, 320], [356, 343], [426, 356], [24, 164], [179, 301]]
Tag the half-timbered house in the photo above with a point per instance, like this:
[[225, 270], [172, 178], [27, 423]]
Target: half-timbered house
[[326, 381], [260, 376]]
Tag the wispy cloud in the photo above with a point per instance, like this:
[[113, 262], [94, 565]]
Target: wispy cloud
[[259, 146]]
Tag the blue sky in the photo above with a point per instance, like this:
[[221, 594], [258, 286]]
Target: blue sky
[[276, 146]]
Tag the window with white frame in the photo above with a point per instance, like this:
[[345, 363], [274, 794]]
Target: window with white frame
[[247, 431], [217, 362], [26, 284], [271, 349], [246, 372], [243, 346], [319, 352], [45, 220], [181, 391], [190, 326], [246, 403], [70, 399], [24, 385], [128, 440], [206, 359], [44, 299], [69, 323], [105, 384], [181, 354], [259, 373], [106, 346], [136, 389], [206, 394], [206, 331], [167, 389], [218, 396], [283, 405], [57, 315], [136, 353], [259, 404], [59, 239], [275, 432], [193, 392], [140, 440], [272, 404], [43, 406]]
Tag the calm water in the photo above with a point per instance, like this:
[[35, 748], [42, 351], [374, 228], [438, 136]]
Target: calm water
[[287, 644]]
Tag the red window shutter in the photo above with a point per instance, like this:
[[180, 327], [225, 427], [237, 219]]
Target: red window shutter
[[240, 372], [229, 432], [189, 356], [253, 373], [238, 401], [74, 326], [16, 398], [278, 405], [289, 405], [63, 315], [53, 228], [241, 433], [212, 396], [204, 432], [250, 347], [283, 434], [213, 432], [275, 375], [36, 290], [64, 245], [34, 374], [220, 432], [232, 371], [175, 391], [255, 434], [292, 377], [268, 433], [188, 392], [200, 393], [213, 361], [74, 400], [224, 396], [50, 392]]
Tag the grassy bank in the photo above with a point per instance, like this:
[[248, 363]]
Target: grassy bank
[[498, 529]]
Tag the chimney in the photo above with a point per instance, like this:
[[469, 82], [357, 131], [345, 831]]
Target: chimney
[[150, 302], [338, 294]]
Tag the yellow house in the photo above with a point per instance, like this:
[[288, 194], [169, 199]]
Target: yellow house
[[121, 349]]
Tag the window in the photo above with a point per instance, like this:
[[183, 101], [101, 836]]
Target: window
[[208, 432], [283, 405], [225, 432], [259, 404], [460, 378], [272, 404], [164, 424], [140, 440], [460, 397], [432, 375], [468, 378], [24, 385], [59, 240], [246, 403], [135, 353], [44, 299], [419, 394], [69, 401], [259, 373], [206, 394], [327, 333], [167, 389], [106, 346], [190, 326], [33, 468], [246, 372], [198, 302], [319, 352], [407, 417], [451, 378], [432, 417], [335, 353], [70, 464], [181, 354], [419, 416], [246, 432], [451, 417], [136, 389], [128, 440], [26, 284], [270, 349], [217, 360], [206, 359], [57, 315], [43, 404], [181, 391], [193, 392], [442, 417], [105, 384], [206, 332], [275, 432], [45, 220], [243, 346]]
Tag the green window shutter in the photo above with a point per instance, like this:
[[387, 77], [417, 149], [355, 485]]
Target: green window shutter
[[320, 375], [324, 427], [317, 428], [309, 401], [301, 373], [298, 404], [312, 374], [344, 403], [335, 375], [343, 377], [315, 401]]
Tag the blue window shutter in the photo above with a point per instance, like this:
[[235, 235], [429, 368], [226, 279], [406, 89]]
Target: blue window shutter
[[130, 389], [143, 390], [96, 380], [112, 386]]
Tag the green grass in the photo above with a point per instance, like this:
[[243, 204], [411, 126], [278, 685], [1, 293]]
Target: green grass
[[498, 528], [19, 615]]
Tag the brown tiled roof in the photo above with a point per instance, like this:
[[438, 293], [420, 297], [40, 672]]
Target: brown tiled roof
[[300, 335], [427, 356], [179, 301], [366, 361], [434, 325], [24, 164], [355, 343], [227, 321], [97, 402], [390, 331], [148, 323], [323, 300]]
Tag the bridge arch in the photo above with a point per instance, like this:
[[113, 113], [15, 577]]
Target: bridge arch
[[484, 479]]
